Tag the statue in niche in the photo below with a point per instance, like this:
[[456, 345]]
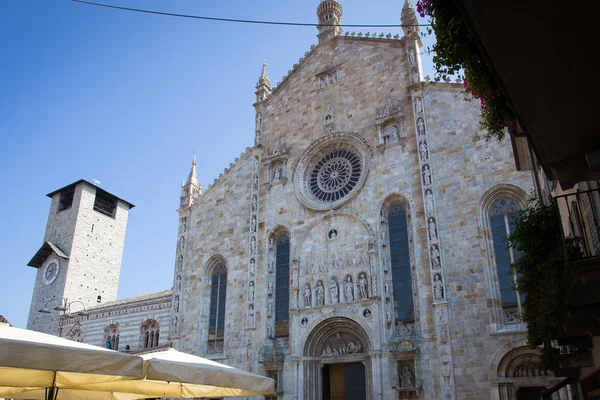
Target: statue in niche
[[415, 76], [426, 175], [254, 203], [320, 293], [394, 133], [333, 290], [384, 262], [252, 268], [444, 336], [435, 257], [411, 56], [269, 331], [383, 235], [257, 138], [363, 291], [432, 227], [255, 182], [307, 296], [258, 119], [256, 164], [270, 308], [331, 78], [388, 317], [253, 224], [423, 150], [277, 174], [438, 287], [251, 291], [419, 105], [421, 126], [181, 243], [174, 323], [183, 225], [250, 315], [176, 305], [446, 373], [349, 289], [178, 283], [407, 378], [270, 286], [180, 262], [271, 265], [322, 82], [253, 245], [429, 204]]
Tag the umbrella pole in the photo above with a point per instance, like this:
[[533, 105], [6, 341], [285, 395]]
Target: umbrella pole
[[51, 393]]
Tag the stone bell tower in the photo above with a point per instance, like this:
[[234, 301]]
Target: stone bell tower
[[79, 262], [330, 19]]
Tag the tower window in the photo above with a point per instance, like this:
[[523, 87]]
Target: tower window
[[65, 200], [105, 203]]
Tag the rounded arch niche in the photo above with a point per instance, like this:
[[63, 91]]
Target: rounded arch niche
[[337, 336]]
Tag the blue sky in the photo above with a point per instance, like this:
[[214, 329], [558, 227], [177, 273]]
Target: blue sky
[[126, 98]]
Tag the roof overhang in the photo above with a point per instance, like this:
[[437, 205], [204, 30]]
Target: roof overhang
[[72, 185], [542, 54], [44, 252]]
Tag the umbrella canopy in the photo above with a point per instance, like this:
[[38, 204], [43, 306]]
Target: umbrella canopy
[[31, 360], [171, 373]]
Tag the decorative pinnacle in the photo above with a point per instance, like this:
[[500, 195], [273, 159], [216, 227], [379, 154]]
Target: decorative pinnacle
[[192, 179], [263, 75]]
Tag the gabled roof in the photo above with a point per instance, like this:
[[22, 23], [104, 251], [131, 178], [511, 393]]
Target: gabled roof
[[42, 254], [72, 185]]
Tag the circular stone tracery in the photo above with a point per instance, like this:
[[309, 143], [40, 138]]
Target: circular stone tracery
[[332, 170]]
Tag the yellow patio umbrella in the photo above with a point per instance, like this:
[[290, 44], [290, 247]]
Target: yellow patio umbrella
[[36, 361]]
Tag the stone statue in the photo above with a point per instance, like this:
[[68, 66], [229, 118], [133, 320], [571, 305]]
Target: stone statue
[[438, 287], [180, 262], [435, 257], [429, 205], [250, 315], [270, 286], [252, 245], [271, 265], [407, 378], [178, 283], [388, 317], [419, 105], [432, 229], [383, 235], [394, 132], [181, 243], [277, 175], [307, 296], [176, 305], [258, 119], [251, 291], [411, 57], [255, 182], [174, 323], [423, 150], [253, 224], [426, 175], [254, 203], [257, 138], [320, 294], [349, 289], [256, 164], [363, 292], [421, 126], [415, 77], [252, 268], [333, 289], [183, 225]]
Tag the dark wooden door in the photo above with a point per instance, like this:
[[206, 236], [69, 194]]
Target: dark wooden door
[[354, 382], [529, 393]]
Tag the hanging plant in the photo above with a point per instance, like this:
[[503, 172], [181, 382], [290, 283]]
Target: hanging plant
[[456, 50], [540, 275]]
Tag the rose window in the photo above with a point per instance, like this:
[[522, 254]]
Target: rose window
[[332, 170], [335, 175]]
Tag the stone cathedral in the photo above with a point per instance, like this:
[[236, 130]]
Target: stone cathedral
[[356, 251]]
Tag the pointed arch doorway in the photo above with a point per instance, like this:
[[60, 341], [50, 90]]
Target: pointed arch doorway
[[337, 361]]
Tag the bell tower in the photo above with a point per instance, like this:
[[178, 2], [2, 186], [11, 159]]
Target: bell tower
[[79, 262], [330, 19]]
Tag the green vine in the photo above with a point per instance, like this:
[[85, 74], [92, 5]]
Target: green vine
[[540, 271], [456, 50]]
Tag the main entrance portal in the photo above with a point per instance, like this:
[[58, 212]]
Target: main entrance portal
[[337, 361], [344, 381]]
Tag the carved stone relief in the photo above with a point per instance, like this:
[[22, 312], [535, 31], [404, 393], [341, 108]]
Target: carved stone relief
[[340, 345], [348, 289], [307, 296], [252, 268]]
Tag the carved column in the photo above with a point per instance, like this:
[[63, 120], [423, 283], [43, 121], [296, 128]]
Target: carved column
[[434, 248]]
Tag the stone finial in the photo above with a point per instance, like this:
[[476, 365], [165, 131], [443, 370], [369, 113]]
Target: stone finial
[[263, 87], [192, 179], [409, 18], [264, 78]]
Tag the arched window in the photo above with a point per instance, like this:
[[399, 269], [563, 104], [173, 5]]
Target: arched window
[[282, 285], [111, 337], [501, 215], [218, 296], [400, 263], [150, 333]]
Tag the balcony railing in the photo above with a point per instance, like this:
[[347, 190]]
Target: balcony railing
[[580, 221]]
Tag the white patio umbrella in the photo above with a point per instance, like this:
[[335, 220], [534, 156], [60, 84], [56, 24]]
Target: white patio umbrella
[[170, 373], [36, 361]]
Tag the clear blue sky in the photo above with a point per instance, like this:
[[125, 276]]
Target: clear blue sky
[[127, 97]]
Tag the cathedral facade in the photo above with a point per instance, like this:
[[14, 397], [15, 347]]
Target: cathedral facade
[[355, 251]]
